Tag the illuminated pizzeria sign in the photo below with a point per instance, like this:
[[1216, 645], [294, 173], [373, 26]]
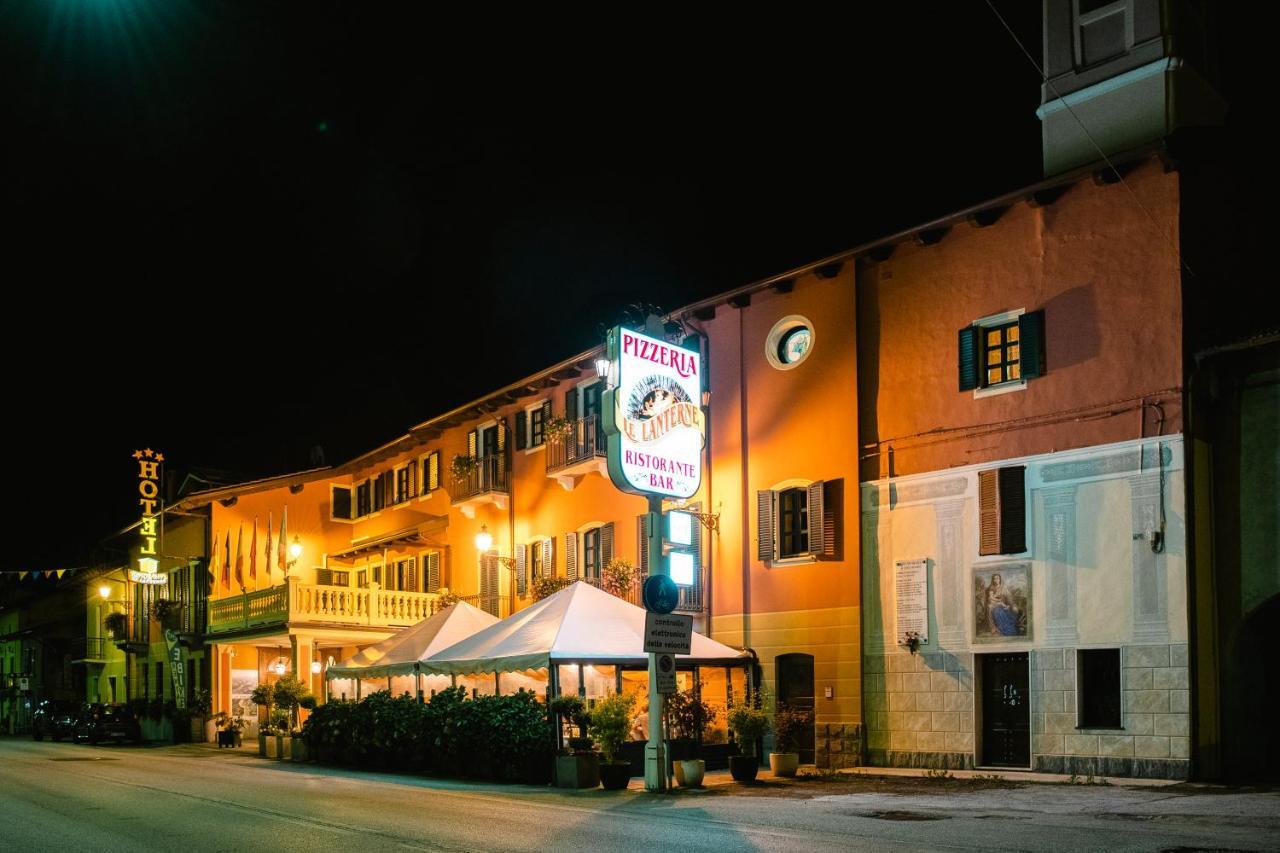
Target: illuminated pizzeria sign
[[148, 571], [653, 415]]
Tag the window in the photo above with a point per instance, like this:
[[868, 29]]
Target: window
[[531, 425], [1003, 351], [364, 503], [362, 579], [1098, 682], [793, 523], [591, 553], [381, 490], [588, 552], [1002, 511], [789, 342], [801, 522], [340, 502], [406, 481]]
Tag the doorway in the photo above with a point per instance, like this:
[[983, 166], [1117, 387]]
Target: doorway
[[1006, 710], [795, 689]]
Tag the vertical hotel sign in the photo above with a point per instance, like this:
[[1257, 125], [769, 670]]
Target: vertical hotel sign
[[148, 571], [653, 415]]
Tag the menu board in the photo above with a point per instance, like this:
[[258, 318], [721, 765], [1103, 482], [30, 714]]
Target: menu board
[[912, 593]]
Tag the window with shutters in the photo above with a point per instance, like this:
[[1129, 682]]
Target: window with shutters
[[431, 570], [1002, 511], [404, 482], [429, 473], [1001, 352], [800, 523], [364, 500], [340, 502], [531, 425]]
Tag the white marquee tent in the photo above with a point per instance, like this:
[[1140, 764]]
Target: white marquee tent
[[398, 654]]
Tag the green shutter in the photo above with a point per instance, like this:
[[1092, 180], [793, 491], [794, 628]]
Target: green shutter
[[970, 357], [606, 545], [1013, 510], [1031, 344], [571, 556], [571, 404], [522, 569], [522, 429], [764, 526]]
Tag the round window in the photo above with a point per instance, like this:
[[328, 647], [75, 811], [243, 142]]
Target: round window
[[789, 342]]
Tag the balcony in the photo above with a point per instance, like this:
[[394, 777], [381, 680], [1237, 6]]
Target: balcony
[[485, 483], [577, 451], [338, 606], [89, 650]]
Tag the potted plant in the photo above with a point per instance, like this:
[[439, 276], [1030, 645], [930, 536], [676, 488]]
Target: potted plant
[[199, 711], [544, 586], [262, 696], [616, 577], [556, 427], [167, 613], [748, 723], [117, 625], [611, 725], [578, 766], [229, 729], [300, 748], [278, 734], [687, 717], [462, 464], [788, 725]]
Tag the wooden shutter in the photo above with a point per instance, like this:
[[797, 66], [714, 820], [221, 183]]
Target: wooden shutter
[[522, 568], [433, 571], [1013, 510], [832, 520], [488, 574], [546, 416], [412, 583], [696, 543], [340, 502], [473, 449], [571, 556], [324, 577], [1031, 358], [1002, 511], [606, 545], [970, 358], [549, 556], [642, 539], [571, 404], [522, 429], [413, 478], [433, 470], [501, 427], [813, 518], [765, 546]]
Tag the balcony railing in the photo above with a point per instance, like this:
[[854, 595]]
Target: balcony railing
[[692, 598], [334, 605], [89, 648], [582, 442], [486, 482], [495, 605]]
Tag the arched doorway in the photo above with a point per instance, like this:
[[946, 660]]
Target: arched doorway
[[795, 688]]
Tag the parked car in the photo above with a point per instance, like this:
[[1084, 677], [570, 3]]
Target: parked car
[[109, 723], [55, 718]]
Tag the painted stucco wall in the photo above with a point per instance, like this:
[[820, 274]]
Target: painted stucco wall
[[1095, 583]]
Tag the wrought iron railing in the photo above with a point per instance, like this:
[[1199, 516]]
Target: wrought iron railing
[[488, 474], [89, 648], [582, 440]]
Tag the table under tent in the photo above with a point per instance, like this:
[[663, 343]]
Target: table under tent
[[394, 663], [585, 641]]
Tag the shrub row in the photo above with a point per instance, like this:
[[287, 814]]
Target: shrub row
[[508, 738]]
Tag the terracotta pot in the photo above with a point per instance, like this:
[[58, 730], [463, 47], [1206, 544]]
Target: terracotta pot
[[690, 771], [784, 763], [743, 768]]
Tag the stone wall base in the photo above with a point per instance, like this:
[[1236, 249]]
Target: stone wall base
[[838, 745], [926, 760], [1134, 768]]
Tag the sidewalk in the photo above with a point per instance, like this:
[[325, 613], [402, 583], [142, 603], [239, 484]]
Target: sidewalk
[[716, 778]]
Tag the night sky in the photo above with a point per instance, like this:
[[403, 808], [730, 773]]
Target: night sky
[[238, 231]]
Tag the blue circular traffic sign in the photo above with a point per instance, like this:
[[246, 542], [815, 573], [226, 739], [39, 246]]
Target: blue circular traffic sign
[[660, 594]]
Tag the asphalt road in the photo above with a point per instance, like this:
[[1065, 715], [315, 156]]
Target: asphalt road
[[63, 797]]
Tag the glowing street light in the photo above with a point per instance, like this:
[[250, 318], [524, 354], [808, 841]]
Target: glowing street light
[[484, 540]]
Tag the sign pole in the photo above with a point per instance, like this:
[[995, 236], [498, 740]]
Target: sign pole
[[655, 764]]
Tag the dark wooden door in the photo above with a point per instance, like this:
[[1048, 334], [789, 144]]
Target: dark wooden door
[[1006, 710], [795, 688]]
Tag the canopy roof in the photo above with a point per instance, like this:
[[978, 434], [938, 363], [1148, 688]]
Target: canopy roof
[[397, 654], [578, 624]]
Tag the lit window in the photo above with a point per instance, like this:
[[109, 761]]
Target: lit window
[[1002, 351]]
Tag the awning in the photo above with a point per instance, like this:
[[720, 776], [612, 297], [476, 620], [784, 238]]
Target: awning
[[578, 624], [398, 654]]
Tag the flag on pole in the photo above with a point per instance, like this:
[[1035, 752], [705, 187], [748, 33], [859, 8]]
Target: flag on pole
[[212, 567], [240, 557], [253, 555], [282, 547], [266, 552], [226, 562]]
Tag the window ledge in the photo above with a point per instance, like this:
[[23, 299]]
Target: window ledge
[[1099, 728], [535, 448], [1002, 388], [801, 560]]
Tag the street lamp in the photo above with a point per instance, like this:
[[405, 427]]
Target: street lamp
[[603, 366], [295, 551], [104, 592], [484, 539]]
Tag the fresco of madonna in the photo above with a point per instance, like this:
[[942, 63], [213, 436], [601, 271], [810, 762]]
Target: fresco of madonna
[[1002, 603]]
